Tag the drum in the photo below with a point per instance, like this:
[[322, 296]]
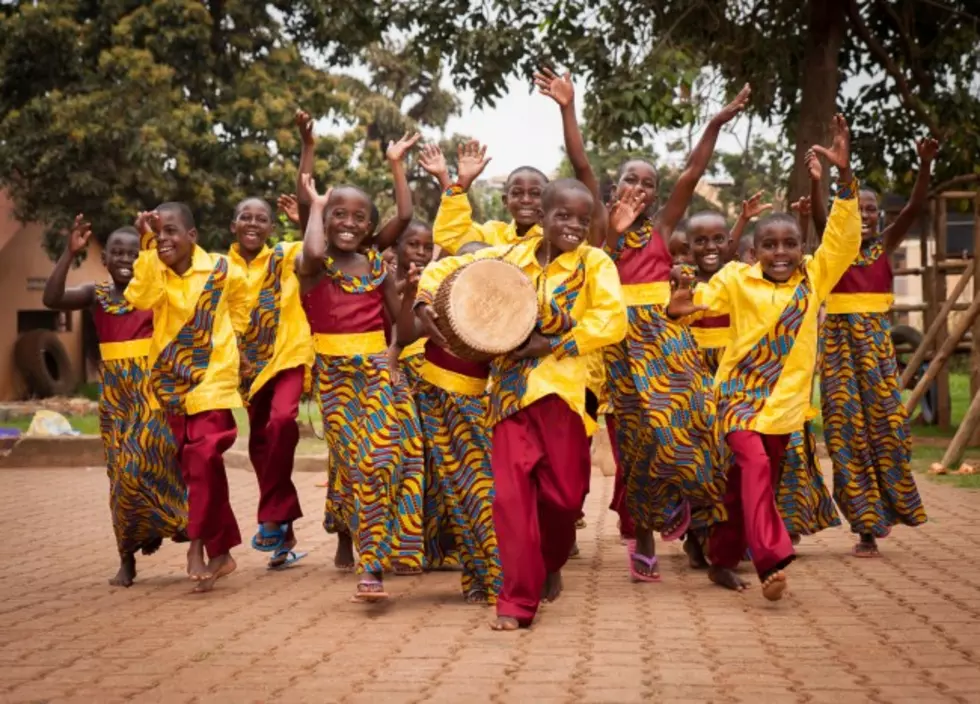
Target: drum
[[486, 308]]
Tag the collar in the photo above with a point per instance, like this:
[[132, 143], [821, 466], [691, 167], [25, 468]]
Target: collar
[[535, 231], [755, 272], [202, 261], [260, 259], [566, 260]]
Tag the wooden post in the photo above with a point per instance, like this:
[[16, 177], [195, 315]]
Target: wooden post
[[938, 362], [944, 404], [974, 436], [957, 446], [930, 336]]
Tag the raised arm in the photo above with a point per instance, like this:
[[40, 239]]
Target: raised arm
[[697, 163], [751, 208], [78, 297], [896, 232], [310, 264], [146, 289], [818, 199], [391, 230], [454, 226], [802, 209], [307, 158]]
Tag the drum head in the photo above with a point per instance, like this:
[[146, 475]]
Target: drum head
[[492, 307]]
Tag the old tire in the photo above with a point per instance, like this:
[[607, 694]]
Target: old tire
[[43, 361]]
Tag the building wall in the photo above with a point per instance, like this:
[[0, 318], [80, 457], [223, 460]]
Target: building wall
[[24, 268]]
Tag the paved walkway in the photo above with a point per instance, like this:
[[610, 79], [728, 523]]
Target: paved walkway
[[903, 628]]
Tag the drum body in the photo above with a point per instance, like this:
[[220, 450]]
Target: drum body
[[486, 308]]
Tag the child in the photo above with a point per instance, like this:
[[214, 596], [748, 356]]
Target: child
[[765, 376], [540, 456], [200, 306], [454, 224], [866, 425], [147, 497], [345, 294], [279, 350], [658, 389], [452, 399]]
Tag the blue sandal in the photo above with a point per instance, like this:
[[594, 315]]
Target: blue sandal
[[284, 558], [278, 534]]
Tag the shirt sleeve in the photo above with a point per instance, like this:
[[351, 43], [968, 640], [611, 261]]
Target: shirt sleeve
[[454, 226], [434, 274], [714, 293], [237, 293], [841, 242], [604, 322], [147, 289]]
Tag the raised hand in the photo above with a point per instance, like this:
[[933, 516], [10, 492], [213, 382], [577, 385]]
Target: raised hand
[[627, 207], [839, 153], [730, 111], [802, 206], [288, 206], [558, 88], [682, 297], [398, 150], [927, 149], [472, 159], [813, 166], [754, 207], [433, 160], [148, 221], [78, 237], [305, 124], [307, 188]]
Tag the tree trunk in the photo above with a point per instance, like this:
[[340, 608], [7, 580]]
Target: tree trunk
[[818, 100]]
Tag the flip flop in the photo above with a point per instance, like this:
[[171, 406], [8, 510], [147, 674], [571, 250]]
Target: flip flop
[[279, 534], [684, 511], [856, 551], [284, 558], [369, 597], [650, 562]]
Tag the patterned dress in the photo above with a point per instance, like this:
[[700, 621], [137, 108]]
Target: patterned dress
[[866, 426], [660, 396], [147, 497], [352, 384]]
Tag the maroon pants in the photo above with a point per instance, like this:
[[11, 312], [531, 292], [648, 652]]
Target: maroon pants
[[753, 520], [618, 504], [202, 439], [541, 468], [273, 436]]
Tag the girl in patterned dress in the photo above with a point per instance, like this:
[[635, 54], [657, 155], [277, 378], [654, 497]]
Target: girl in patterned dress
[[147, 497], [866, 426], [659, 392], [345, 294]]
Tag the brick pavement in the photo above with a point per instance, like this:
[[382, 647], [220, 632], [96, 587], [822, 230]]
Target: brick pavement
[[903, 628]]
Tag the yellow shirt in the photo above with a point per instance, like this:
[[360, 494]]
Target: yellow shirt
[[454, 227], [173, 299], [582, 283], [756, 306], [293, 343]]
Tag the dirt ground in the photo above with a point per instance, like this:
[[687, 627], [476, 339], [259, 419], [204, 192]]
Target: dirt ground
[[902, 628]]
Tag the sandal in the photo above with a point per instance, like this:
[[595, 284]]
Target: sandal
[[650, 562], [370, 590], [684, 513], [285, 557], [277, 534]]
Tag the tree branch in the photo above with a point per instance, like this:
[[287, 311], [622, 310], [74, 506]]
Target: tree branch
[[911, 49], [911, 101], [956, 181]]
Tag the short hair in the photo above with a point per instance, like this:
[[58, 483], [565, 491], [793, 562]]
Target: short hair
[[746, 243], [552, 190], [871, 192], [773, 219], [413, 225], [643, 160], [124, 230], [183, 212], [471, 247], [527, 169], [263, 201], [707, 214]]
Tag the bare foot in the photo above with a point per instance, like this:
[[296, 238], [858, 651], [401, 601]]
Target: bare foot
[[343, 559], [553, 586], [219, 567], [724, 577], [197, 570], [867, 546], [774, 586], [505, 623], [580, 524], [695, 555], [476, 596], [127, 572], [574, 552]]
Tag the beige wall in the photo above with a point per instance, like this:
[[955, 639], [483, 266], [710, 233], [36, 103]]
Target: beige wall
[[24, 265]]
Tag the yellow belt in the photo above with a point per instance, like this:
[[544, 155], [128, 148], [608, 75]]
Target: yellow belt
[[348, 344], [124, 350], [655, 294], [847, 303], [417, 347], [454, 382]]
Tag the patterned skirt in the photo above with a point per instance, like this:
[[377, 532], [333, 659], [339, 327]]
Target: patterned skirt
[[362, 430], [866, 426], [802, 497], [147, 496], [711, 358], [408, 484], [458, 461], [664, 407]]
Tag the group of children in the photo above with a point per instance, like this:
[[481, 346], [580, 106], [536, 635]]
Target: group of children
[[698, 346]]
